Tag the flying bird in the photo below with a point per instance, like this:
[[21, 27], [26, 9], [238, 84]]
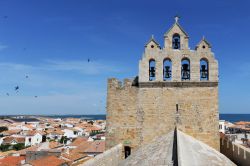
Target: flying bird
[[35, 96], [16, 88], [88, 60], [26, 76], [7, 94]]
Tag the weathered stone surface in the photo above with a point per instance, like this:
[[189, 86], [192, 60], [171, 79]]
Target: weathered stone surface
[[192, 152], [158, 152], [110, 157]]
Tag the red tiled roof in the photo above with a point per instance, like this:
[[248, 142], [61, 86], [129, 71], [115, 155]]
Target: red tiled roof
[[11, 160], [11, 132], [96, 147], [54, 144], [8, 140], [74, 156], [242, 123], [78, 141], [47, 161], [92, 128]]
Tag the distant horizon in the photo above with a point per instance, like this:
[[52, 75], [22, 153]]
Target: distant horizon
[[88, 114]]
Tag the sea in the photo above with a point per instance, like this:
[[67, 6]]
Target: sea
[[227, 117], [235, 117]]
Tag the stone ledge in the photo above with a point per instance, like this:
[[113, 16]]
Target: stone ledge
[[184, 84], [111, 157]]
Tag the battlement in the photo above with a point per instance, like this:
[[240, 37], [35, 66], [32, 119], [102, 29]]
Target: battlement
[[126, 83]]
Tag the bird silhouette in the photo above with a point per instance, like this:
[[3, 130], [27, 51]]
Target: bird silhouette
[[7, 94], [88, 60], [26, 76], [16, 88]]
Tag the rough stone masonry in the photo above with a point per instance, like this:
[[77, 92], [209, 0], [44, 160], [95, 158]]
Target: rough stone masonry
[[175, 88]]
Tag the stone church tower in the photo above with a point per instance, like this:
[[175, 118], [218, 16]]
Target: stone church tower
[[176, 87]]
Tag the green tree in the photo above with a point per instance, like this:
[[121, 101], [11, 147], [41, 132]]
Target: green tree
[[63, 140], [18, 146], [4, 148], [3, 128]]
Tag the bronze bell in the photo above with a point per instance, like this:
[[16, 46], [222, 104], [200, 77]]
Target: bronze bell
[[204, 72], [167, 73], [185, 72], [152, 72], [176, 44]]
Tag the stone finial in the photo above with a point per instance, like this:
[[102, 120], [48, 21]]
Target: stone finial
[[176, 18]]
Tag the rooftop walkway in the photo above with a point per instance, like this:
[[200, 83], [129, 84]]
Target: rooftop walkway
[[173, 149]]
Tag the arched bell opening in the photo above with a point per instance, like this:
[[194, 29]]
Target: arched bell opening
[[151, 70], [167, 69], [176, 41], [204, 69], [185, 69]]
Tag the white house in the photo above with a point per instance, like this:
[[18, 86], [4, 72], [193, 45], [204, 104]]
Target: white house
[[72, 133], [33, 139], [222, 127]]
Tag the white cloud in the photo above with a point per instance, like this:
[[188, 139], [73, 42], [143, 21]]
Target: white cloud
[[3, 46], [84, 67], [57, 90], [53, 104]]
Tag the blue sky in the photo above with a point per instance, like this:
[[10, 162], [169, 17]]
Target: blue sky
[[51, 41]]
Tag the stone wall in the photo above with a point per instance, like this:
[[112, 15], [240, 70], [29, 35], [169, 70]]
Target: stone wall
[[122, 123], [110, 157], [192, 152], [235, 152], [136, 115]]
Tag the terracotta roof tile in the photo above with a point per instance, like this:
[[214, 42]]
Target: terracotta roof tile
[[96, 147], [8, 140], [48, 161], [11, 160], [78, 141]]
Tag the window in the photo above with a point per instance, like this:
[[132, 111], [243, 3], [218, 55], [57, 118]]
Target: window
[[176, 41], [151, 70], [127, 151], [185, 69], [167, 69], [203, 69]]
